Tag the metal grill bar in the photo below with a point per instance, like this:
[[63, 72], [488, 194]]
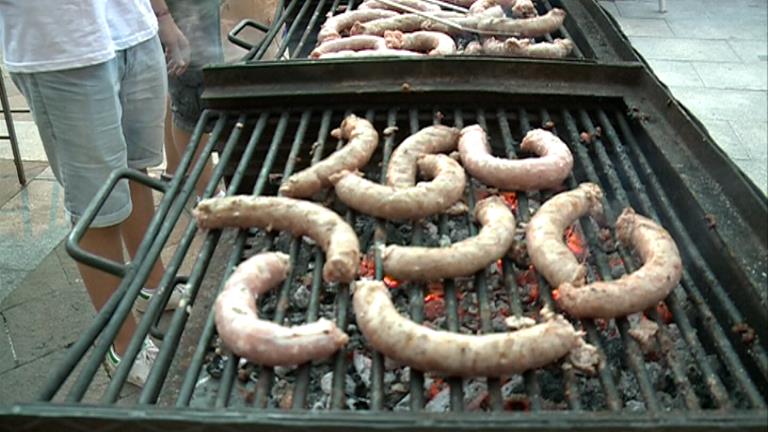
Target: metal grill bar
[[634, 356], [734, 363], [617, 190], [620, 169], [190, 379], [494, 384], [380, 240], [455, 384], [166, 283]]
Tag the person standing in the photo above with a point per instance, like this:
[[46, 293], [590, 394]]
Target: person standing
[[93, 73]]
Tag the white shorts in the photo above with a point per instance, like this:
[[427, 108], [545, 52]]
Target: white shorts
[[96, 119]]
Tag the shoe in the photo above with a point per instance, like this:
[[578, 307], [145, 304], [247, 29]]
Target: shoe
[[141, 366], [145, 295]]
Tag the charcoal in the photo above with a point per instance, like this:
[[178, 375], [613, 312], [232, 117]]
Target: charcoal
[[362, 365], [300, 297]]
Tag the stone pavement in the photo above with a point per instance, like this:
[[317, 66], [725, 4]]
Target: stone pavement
[[712, 55]]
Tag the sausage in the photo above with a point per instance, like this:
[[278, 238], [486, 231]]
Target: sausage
[[459, 259], [325, 227], [544, 233], [430, 43], [558, 48], [335, 25], [362, 140], [403, 23], [527, 27], [370, 53], [548, 170], [422, 200], [413, 4], [264, 342], [351, 43], [480, 7], [456, 354], [473, 48], [401, 170], [637, 291], [524, 9], [466, 21]]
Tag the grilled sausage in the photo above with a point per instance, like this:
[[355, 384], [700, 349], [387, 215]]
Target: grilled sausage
[[403, 23], [544, 233], [546, 171], [526, 27], [430, 43], [456, 354], [328, 229], [520, 8], [362, 141], [459, 259], [352, 43], [524, 9], [413, 4], [558, 48], [370, 53], [637, 291], [264, 342], [337, 24], [422, 200], [401, 170]]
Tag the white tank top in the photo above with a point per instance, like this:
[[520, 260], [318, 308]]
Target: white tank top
[[48, 35]]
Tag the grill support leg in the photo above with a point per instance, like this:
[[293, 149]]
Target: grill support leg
[[11, 132]]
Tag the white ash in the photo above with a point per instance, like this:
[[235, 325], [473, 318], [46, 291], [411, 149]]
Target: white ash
[[300, 297], [644, 333], [363, 366]]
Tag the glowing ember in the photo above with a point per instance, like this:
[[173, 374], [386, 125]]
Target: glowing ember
[[391, 282], [616, 261], [500, 266], [435, 287], [434, 304], [574, 241], [435, 388], [367, 267], [664, 313], [527, 277], [517, 403], [533, 293], [556, 295], [510, 198]]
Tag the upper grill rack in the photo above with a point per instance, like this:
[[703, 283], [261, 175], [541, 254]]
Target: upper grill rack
[[298, 23], [720, 371]]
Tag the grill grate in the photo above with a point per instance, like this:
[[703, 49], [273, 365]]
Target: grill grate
[[298, 22], [702, 365]]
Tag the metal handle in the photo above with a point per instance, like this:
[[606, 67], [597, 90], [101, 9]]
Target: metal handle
[[73, 241], [233, 34]]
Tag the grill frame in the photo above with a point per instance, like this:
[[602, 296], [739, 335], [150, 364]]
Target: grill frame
[[694, 162], [742, 418]]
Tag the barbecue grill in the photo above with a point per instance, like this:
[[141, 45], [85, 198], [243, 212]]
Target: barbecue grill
[[707, 366]]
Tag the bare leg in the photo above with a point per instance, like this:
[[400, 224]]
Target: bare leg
[[182, 139], [105, 242], [134, 228], [171, 151]]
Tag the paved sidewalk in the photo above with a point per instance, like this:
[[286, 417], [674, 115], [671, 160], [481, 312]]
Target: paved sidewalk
[[713, 57]]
